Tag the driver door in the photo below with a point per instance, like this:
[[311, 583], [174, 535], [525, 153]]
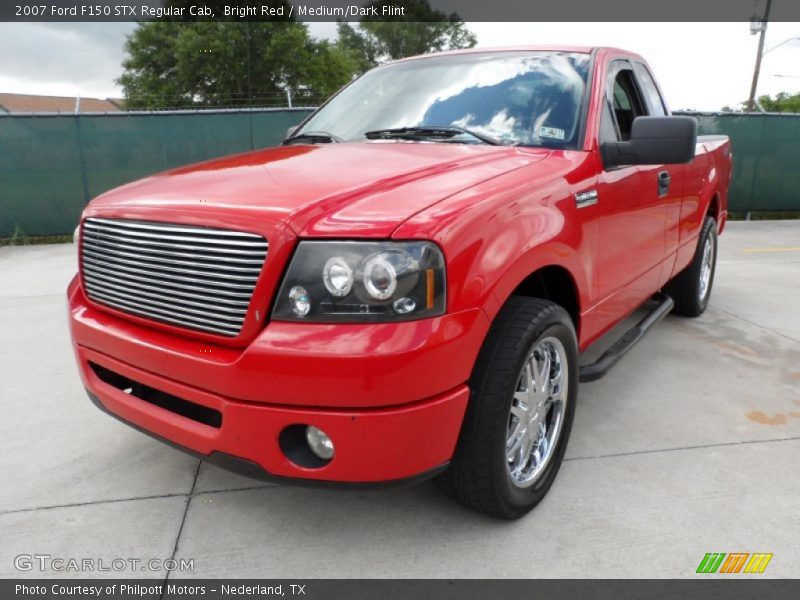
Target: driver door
[[632, 215]]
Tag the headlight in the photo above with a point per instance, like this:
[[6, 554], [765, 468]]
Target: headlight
[[337, 276], [362, 282]]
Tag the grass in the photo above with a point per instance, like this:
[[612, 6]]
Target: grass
[[20, 238], [765, 215]]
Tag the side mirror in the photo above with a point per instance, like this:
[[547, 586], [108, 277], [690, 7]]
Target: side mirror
[[654, 141]]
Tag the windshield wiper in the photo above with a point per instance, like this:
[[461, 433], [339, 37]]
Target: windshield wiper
[[312, 137], [424, 132]]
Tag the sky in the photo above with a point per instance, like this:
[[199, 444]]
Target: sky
[[700, 66]]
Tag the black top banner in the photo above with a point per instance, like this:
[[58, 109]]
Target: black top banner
[[399, 10]]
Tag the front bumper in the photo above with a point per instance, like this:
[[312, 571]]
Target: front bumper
[[248, 468], [391, 397]]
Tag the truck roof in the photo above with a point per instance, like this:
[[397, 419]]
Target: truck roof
[[526, 48]]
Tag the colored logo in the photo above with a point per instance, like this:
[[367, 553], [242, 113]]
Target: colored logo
[[735, 562]]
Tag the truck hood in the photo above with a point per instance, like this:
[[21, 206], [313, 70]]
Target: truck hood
[[335, 190]]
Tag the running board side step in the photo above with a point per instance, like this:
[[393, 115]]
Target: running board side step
[[597, 369]]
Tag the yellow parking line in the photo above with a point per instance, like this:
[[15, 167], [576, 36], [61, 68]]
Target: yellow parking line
[[778, 249]]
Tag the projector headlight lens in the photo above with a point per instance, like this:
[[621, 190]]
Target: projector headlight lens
[[337, 276], [380, 278]]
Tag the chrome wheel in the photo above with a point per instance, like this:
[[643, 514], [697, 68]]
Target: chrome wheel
[[537, 412], [706, 267]]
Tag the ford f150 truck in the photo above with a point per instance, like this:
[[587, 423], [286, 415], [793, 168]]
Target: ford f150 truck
[[401, 290]]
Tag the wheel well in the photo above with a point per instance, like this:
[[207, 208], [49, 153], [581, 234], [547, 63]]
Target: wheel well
[[713, 208], [555, 284]]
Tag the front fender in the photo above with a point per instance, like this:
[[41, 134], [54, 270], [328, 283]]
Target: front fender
[[553, 253], [489, 255], [494, 235]]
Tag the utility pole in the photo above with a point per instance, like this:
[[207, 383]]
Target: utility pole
[[249, 85], [762, 27], [249, 76]]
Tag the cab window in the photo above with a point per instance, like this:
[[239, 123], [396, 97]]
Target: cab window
[[655, 104], [626, 103]]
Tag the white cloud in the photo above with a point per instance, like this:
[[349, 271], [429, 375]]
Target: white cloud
[[62, 58], [703, 66], [699, 65]]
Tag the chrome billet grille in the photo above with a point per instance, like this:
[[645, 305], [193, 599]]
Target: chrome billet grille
[[195, 277]]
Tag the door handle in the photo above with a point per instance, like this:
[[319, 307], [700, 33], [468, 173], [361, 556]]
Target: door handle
[[664, 180]]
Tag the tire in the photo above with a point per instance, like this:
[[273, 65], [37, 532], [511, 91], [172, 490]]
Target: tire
[[481, 476], [687, 288]]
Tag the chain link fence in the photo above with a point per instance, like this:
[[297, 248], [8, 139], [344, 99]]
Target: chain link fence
[[52, 165]]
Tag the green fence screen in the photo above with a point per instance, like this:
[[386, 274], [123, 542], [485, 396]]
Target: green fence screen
[[50, 166], [766, 158]]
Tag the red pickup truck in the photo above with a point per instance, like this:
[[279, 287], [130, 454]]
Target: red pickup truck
[[402, 289]]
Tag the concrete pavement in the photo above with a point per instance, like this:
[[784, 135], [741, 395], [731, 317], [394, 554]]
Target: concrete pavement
[[690, 445]]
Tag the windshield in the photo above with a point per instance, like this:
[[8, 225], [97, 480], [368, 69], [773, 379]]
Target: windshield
[[523, 98]]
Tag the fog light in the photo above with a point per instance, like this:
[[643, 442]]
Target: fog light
[[319, 442]]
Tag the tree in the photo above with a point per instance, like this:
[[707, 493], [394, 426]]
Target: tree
[[233, 61], [241, 63], [782, 102], [420, 30], [357, 46]]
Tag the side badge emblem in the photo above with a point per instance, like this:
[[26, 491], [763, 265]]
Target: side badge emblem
[[584, 199]]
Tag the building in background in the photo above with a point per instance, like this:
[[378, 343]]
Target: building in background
[[25, 103]]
